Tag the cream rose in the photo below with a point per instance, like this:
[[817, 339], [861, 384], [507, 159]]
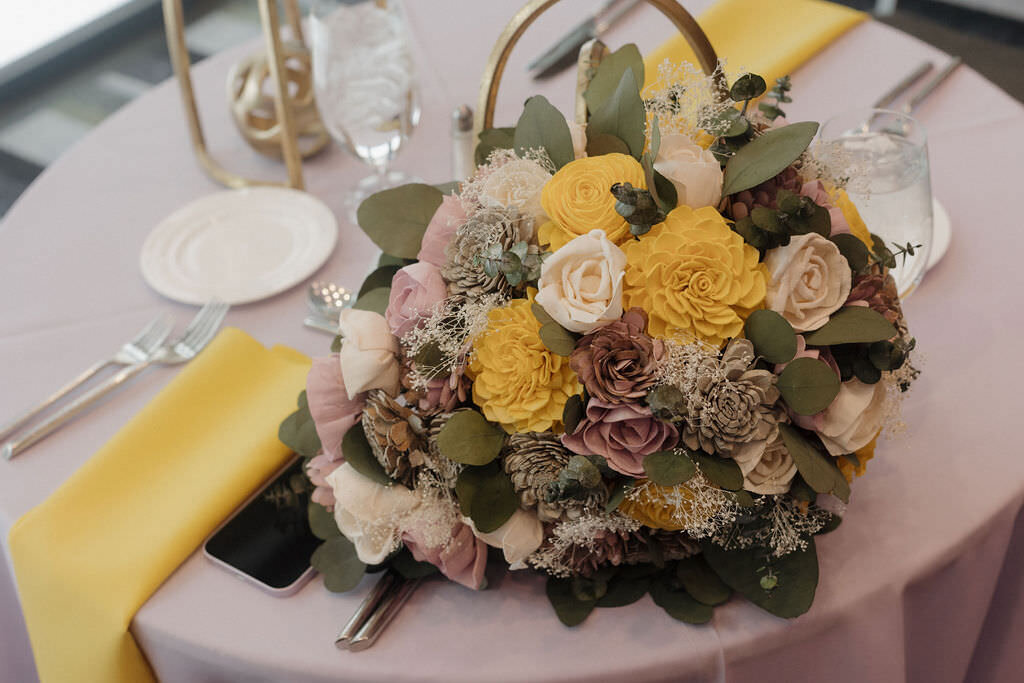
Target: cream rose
[[810, 280], [517, 184], [694, 171], [578, 133], [368, 353], [767, 466], [581, 283], [369, 513], [518, 537], [854, 418]]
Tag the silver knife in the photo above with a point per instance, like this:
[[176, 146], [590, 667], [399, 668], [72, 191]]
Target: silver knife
[[563, 53]]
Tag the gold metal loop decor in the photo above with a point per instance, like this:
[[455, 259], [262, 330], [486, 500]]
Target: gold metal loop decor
[[491, 79]]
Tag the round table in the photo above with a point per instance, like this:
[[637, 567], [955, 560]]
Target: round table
[[923, 581]]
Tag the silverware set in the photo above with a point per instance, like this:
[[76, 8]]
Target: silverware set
[[148, 347], [906, 83], [325, 301], [376, 611]]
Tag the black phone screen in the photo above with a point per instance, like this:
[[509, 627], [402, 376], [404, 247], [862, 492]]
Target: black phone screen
[[269, 539]]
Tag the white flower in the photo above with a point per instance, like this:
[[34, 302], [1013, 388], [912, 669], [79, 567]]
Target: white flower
[[810, 280], [368, 513], [517, 184], [518, 537], [854, 418], [767, 466], [580, 285], [578, 132], [368, 353], [694, 171]]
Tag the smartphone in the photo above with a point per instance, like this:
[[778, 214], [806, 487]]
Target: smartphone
[[267, 541]]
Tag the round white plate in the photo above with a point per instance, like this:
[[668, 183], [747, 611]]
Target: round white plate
[[942, 233], [239, 245]]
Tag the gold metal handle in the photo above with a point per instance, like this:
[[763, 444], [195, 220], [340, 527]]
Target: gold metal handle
[[682, 19]]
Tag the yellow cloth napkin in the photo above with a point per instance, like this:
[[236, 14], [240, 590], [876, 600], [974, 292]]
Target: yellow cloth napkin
[[767, 37], [92, 553]]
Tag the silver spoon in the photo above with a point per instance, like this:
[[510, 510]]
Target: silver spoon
[[325, 301]]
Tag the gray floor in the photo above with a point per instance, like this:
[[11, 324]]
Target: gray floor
[[47, 113]]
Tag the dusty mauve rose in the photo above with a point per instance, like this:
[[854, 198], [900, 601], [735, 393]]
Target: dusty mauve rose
[[446, 220], [810, 280], [617, 363], [694, 171], [580, 285], [444, 394], [333, 411], [369, 351], [415, 290], [462, 559], [621, 433], [317, 470], [854, 418]]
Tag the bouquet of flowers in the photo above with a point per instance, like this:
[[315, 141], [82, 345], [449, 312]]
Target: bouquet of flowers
[[644, 354]]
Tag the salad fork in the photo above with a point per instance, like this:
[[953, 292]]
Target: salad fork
[[196, 336], [134, 351]]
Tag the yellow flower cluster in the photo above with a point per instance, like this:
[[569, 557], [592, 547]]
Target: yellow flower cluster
[[578, 199], [694, 277], [517, 382], [843, 202]]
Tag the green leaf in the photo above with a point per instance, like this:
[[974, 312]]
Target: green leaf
[[601, 143], [468, 438], [378, 279], [772, 336], [486, 496], [766, 156], [622, 115], [557, 339], [679, 604], [852, 325], [375, 300], [624, 590], [321, 522], [409, 567], [389, 260], [396, 219], [801, 491], [885, 355], [701, 582], [668, 198], [797, 575], [816, 468], [617, 495], [721, 472], [669, 468], [609, 74], [767, 219], [865, 370], [358, 453], [808, 385], [573, 412], [298, 432], [747, 87], [655, 146], [492, 139], [451, 187], [336, 343], [571, 610], [430, 355], [542, 125], [853, 250], [336, 559]]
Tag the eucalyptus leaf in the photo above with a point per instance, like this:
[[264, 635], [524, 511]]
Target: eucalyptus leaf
[[852, 325], [721, 472], [808, 385], [336, 559], [609, 74], [747, 87], [617, 495], [655, 145], [468, 438], [767, 219], [800, 490], [451, 187], [865, 371], [540, 314], [389, 260], [542, 126], [701, 582], [409, 567], [602, 143], [816, 468], [430, 355], [624, 590], [668, 197], [772, 336], [298, 432], [678, 603], [486, 496], [557, 339], [669, 468], [622, 115], [396, 219], [571, 610], [492, 139], [885, 355], [375, 300], [379, 278], [321, 522], [358, 453], [742, 570], [856, 254], [572, 413], [336, 343], [766, 156], [744, 499]]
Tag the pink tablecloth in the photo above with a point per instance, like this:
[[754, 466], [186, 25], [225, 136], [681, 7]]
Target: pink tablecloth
[[922, 582]]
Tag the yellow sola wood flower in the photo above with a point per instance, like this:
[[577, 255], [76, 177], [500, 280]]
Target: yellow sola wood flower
[[517, 382], [694, 277], [578, 199], [672, 508], [852, 216], [864, 454]]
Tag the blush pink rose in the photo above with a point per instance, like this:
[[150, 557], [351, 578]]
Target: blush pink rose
[[415, 290], [333, 411], [317, 470], [448, 217], [622, 433], [463, 559]]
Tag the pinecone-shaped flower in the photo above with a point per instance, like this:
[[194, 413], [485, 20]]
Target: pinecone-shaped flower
[[396, 435], [730, 405], [533, 461], [464, 270], [742, 203]]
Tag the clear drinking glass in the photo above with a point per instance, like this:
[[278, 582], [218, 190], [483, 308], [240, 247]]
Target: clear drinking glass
[[365, 85], [884, 155]]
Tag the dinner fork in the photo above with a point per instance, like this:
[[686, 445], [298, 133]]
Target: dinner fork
[[133, 351], [196, 336]]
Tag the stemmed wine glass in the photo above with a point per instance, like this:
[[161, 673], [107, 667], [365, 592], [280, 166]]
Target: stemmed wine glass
[[365, 85]]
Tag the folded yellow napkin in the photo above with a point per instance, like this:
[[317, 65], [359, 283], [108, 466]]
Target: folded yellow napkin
[[767, 37], [92, 553]]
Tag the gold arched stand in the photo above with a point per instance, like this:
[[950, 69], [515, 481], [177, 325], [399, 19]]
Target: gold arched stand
[[491, 79]]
